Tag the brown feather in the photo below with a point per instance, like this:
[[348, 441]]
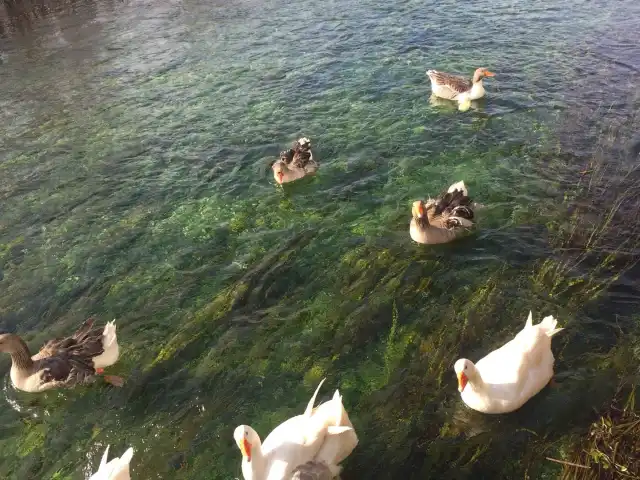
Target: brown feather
[[454, 82], [449, 204], [85, 343], [301, 155], [65, 369], [70, 360]]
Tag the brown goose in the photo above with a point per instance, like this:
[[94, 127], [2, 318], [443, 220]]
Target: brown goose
[[63, 362], [295, 163], [453, 87], [444, 219]]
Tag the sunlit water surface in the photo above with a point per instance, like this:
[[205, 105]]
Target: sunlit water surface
[[135, 185]]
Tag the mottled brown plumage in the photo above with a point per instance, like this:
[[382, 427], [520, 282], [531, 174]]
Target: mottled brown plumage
[[455, 82], [301, 153], [64, 362], [444, 219], [295, 163], [453, 87]]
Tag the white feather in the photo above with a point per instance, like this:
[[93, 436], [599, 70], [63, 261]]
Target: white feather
[[111, 349], [508, 377], [459, 186], [116, 469]]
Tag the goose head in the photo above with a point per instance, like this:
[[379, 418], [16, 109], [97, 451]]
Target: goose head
[[418, 209], [466, 372], [280, 169], [480, 73], [10, 343], [419, 212], [247, 440]]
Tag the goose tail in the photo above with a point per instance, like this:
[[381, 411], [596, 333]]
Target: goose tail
[[309, 409], [459, 186], [127, 456], [548, 325], [109, 334]]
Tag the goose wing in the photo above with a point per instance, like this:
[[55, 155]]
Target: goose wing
[[85, 343], [454, 83]]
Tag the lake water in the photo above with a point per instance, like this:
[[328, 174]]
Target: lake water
[[135, 185]]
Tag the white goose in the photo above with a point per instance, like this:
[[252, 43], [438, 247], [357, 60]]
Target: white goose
[[508, 377], [116, 469], [292, 443]]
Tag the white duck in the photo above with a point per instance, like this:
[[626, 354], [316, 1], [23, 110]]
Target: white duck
[[292, 443], [508, 377], [116, 469], [454, 87]]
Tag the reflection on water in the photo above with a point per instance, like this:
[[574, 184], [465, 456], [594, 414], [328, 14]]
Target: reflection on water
[[20, 16], [451, 105]]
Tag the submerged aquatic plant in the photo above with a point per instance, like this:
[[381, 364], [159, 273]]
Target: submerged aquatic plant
[[611, 449], [596, 233]]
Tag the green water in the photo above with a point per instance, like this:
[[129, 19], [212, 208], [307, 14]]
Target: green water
[[135, 185]]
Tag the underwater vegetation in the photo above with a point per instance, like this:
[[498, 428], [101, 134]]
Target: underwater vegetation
[[137, 187], [382, 321]]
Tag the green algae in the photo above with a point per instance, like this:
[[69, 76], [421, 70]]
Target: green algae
[[152, 203]]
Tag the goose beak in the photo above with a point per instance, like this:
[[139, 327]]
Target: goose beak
[[245, 449], [462, 381], [487, 73], [417, 209]]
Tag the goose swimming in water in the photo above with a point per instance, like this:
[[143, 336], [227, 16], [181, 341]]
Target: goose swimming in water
[[444, 219], [295, 163], [508, 377], [323, 435], [66, 362], [454, 87]]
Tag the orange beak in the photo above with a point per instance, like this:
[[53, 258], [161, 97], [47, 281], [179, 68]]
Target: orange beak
[[487, 73], [280, 176], [417, 209], [462, 381], [245, 448]]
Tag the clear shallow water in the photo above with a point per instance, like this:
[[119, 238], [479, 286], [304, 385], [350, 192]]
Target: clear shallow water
[[135, 185]]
